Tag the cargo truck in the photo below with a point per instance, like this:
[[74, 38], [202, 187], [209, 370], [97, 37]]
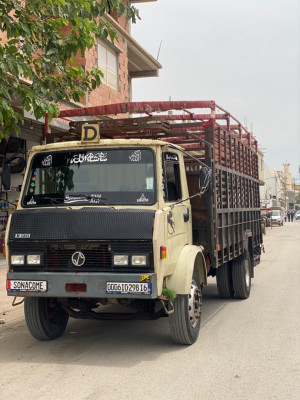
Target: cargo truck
[[127, 214]]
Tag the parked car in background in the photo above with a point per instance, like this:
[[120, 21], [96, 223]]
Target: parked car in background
[[277, 217], [297, 215]]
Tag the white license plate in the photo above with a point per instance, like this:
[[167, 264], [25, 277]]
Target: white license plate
[[26, 286], [128, 287]]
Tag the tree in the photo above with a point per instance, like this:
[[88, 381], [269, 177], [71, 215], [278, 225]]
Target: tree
[[297, 199], [39, 42]]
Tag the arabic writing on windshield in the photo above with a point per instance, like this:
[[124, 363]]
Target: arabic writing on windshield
[[113, 176]]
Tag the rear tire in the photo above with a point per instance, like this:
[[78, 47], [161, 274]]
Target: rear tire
[[224, 281], [185, 321], [241, 276], [45, 318]]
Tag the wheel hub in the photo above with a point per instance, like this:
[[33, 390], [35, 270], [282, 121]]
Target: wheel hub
[[195, 298]]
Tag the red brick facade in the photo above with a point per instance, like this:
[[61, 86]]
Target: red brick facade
[[105, 94]]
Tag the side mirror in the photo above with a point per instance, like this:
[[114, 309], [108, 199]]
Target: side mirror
[[205, 180], [6, 176]]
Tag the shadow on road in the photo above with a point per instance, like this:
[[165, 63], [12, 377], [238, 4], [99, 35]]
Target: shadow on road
[[92, 342]]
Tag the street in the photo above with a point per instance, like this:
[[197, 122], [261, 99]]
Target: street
[[247, 349]]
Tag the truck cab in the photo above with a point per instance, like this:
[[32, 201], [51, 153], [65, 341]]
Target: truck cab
[[102, 222]]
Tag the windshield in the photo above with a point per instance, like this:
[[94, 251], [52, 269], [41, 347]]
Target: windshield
[[110, 176], [276, 213]]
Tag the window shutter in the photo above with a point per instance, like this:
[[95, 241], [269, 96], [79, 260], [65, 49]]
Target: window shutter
[[108, 63]]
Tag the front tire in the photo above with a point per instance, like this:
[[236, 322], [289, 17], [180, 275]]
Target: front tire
[[185, 321], [45, 318], [241, 276]]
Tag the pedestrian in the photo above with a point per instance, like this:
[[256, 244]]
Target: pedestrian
[[292, 215], [285, 217], [289, 215]]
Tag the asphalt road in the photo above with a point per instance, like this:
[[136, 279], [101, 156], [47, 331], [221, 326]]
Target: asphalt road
[[247, 349]]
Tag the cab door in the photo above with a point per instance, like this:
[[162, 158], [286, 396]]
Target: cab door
[[177, 216]]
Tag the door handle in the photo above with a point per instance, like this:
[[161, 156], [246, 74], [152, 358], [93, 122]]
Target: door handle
[[186, 216]]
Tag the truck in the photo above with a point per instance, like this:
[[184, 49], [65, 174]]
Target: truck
[[127, 213]]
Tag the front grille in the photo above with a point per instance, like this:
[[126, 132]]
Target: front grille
[[98, 255]]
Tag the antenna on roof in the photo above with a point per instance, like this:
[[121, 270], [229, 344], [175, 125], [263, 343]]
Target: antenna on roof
[[159, 50]]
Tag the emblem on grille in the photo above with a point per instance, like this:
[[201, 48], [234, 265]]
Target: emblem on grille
[[78, 258]]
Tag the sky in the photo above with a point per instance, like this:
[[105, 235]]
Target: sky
[[243, 54]]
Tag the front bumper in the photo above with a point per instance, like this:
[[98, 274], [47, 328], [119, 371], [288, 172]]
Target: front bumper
[[95, 284], [276, 221]]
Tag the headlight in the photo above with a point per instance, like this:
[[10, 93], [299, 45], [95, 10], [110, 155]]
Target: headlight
[[34, 259], [120, 259], [17, 260], [137, 260]]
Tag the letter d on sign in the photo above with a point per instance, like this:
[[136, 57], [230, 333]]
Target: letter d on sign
[[90, 133]]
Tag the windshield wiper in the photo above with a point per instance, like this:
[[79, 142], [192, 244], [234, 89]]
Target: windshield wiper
[[55, 202], [72, 198]]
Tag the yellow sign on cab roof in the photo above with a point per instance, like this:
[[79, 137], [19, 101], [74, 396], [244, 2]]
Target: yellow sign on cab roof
[[90, 133]]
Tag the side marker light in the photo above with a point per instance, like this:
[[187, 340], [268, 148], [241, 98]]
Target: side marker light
[[163, 252]]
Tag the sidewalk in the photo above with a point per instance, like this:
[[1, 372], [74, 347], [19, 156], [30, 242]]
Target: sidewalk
[[5, 301]]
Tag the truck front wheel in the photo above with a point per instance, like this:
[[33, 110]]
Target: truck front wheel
[[241, 276], [185, 321], [45, 318]]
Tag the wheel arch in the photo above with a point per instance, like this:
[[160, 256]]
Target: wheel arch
[[190, 257]]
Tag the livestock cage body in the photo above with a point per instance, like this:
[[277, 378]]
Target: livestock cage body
[[226, 218]]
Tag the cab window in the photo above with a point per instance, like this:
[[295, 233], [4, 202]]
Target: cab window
[[171, 177]]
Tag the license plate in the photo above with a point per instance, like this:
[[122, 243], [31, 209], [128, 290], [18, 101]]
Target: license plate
[[26, 286], [128, 287]]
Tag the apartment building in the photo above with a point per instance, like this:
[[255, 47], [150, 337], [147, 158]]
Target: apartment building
[[121, 62]]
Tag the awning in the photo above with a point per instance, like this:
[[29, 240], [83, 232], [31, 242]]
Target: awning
[[140, 63]]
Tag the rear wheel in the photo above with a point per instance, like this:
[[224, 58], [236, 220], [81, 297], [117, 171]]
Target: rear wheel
[[185, 321], [45, 318], [241, 276], [224, 281]]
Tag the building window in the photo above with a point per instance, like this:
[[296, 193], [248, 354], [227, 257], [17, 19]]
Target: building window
[[108, 63]]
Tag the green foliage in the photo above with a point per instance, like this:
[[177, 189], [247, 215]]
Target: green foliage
[[37, 59], [169, 294]]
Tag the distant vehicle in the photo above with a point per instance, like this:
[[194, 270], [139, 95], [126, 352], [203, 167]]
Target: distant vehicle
[[297, 215], [277, 217]]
